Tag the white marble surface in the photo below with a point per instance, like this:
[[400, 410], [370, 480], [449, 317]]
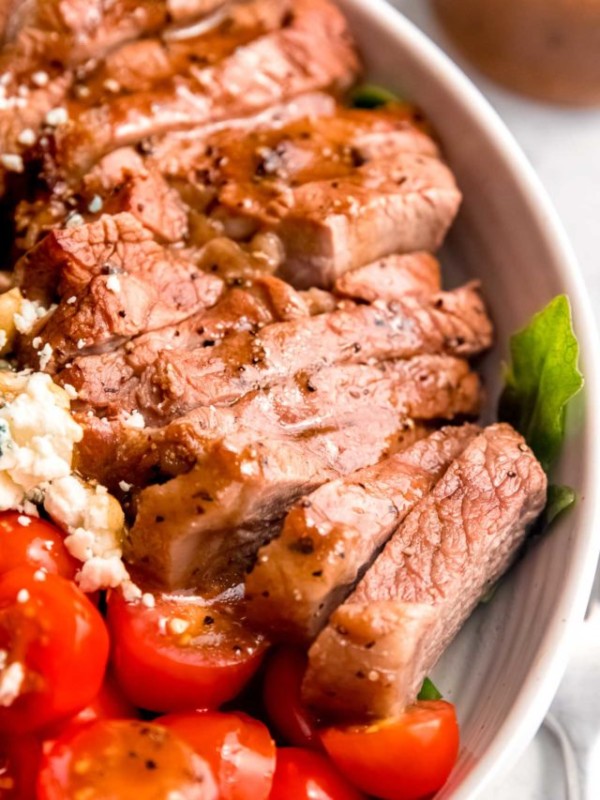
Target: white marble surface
[[564, 147]]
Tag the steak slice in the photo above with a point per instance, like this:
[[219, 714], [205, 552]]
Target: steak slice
[[312, 51], [372, 657], [202, 528], [114, 282], [391, 278], [331, 536], [107, 383], [254, 459], [395, 205], [119, 183], [453, 323], [177, 154], [423, 388], [65, 261]]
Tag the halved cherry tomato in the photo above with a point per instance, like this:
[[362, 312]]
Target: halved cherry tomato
[[181, 654], [109, 703], [239, 750], [120, 759], [403, 759], [32, 542], [53, 648], [20, 758], [283, 702], [307, 775]]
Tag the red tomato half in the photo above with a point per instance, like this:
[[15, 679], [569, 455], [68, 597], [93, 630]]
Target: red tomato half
[[306, 775], [121, 760], [36, 544], [239, 750], [403, 759], [54, 650], [282, 695], [20, 758], [109, 703], [181, 654]]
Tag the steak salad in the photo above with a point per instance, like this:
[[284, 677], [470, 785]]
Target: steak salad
[[246, 500]]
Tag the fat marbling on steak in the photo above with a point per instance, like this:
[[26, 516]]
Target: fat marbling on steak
[[372, 657]]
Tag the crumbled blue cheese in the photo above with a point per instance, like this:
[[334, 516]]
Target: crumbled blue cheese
[[37, 435], [95, 523], [29, 313]]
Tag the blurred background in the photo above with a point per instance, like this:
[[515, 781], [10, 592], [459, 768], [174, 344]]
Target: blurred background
[[538, 63]]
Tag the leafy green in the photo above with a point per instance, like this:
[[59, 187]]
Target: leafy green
[[369, 95], [560, 498], [429, 691], [541, 379]]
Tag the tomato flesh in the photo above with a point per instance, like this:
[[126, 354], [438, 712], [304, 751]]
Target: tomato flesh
[[239, 750], [307, 775], [181, 654], [54, 650], [283, 701], [29, 541], [402, 759], [118, 760], [20, 758]]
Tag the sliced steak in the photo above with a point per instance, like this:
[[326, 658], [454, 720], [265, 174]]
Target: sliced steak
[[65, 261], [423, 388], [72, 31], [391, 278], [202, 528], [252, 178], [107, 383], [177, 154], [370, 660], [454, 323], [331, 536], [113, 282], [312, 51], [119, 183], [396, 205]]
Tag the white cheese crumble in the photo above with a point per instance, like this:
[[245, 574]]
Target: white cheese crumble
[[113, 284], [40, 78], [148, 600], [124, 486], [11, 681], [94, 521], [95, 205], [23, 520], [37, 435], [71, 391], [45, 355], [134, 420], [57, 116], [3, 339], [27, 137], [29, 313], [12, 162]]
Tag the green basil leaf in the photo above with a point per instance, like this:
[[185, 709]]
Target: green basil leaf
[[541, 379]]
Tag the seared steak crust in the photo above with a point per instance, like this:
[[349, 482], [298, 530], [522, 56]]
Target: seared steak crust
[[378, 646]]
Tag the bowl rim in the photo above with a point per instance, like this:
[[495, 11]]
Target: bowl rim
[[536, 694]]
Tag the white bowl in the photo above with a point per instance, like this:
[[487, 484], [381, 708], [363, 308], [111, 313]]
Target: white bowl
[[505, 666]]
